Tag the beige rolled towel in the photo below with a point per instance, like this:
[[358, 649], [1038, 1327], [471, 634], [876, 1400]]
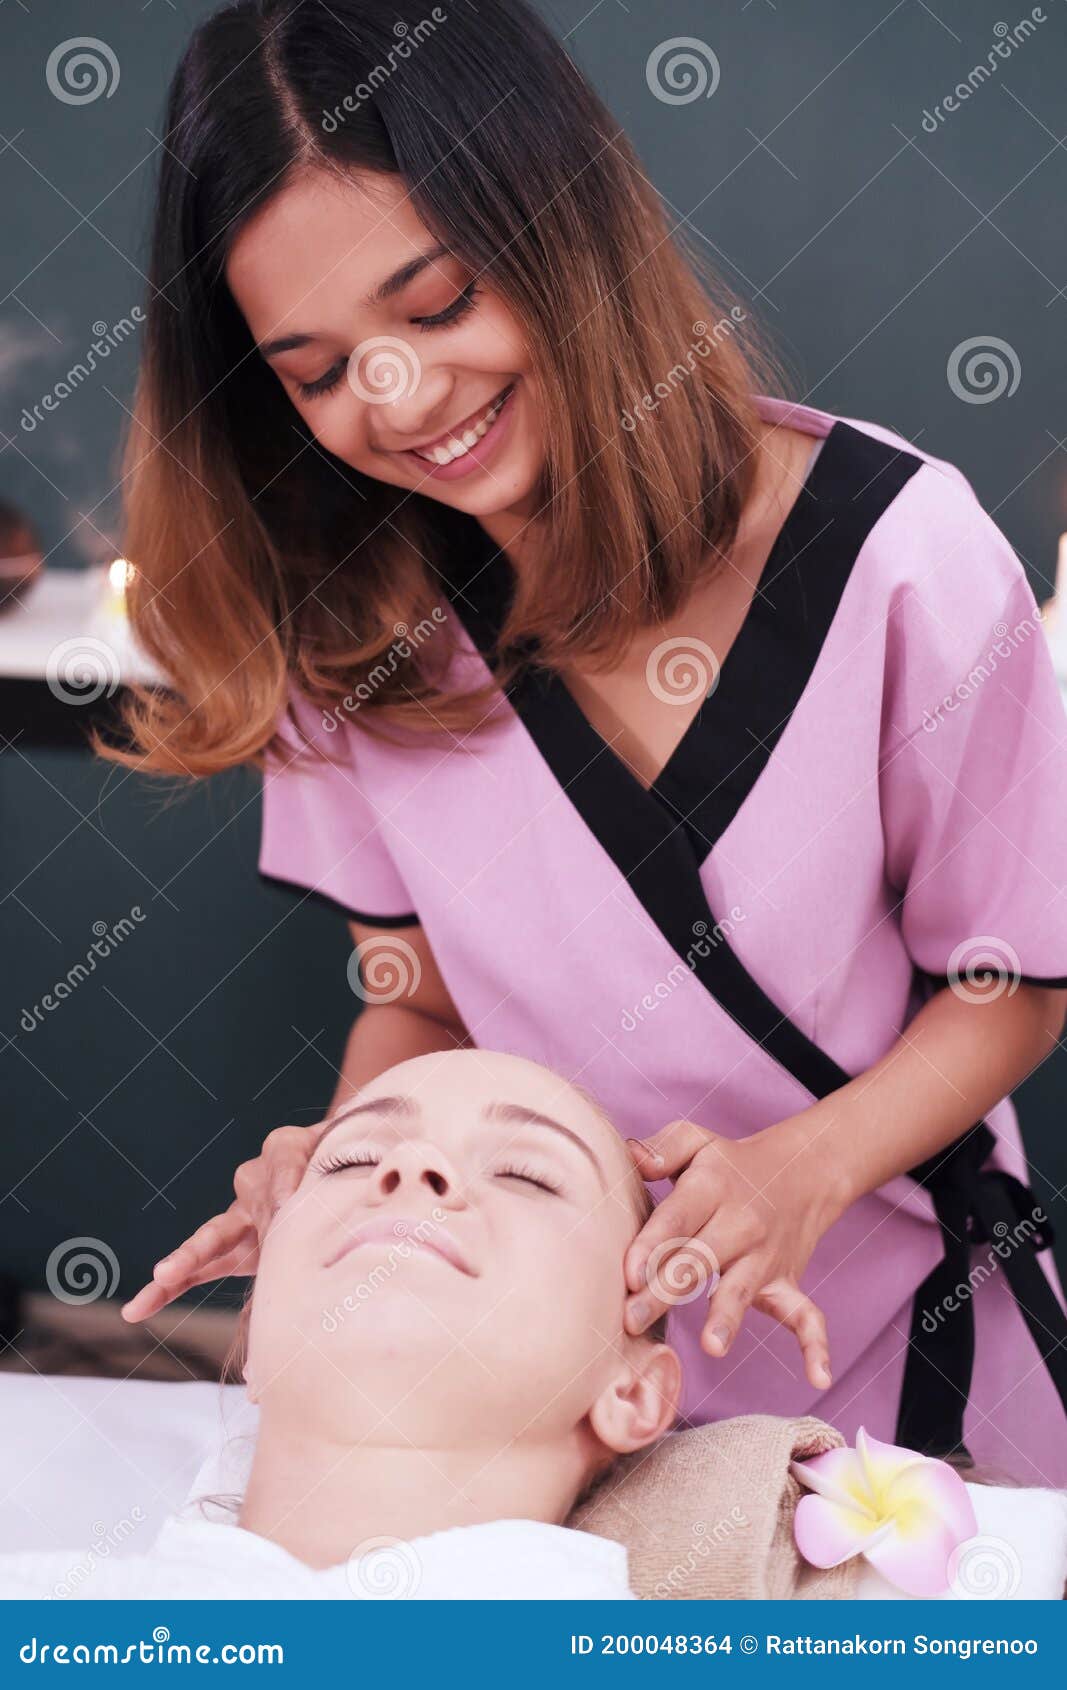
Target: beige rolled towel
[[707, 1514]]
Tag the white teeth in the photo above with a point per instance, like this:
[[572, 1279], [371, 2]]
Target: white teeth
[[459, 448]]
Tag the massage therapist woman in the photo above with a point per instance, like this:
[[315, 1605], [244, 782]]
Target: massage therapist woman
[[586, 674]]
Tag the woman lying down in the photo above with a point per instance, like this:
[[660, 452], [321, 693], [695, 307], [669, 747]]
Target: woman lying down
[[437, 1350]]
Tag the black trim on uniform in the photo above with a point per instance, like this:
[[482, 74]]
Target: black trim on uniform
[[1057, 981], [730, 740], [658, 837], [309, 895], [721, 756]]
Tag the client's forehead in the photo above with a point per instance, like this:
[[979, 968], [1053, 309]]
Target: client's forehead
[[444, 1088]]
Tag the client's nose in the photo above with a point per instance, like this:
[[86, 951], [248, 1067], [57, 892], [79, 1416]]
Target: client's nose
[[417, 1167]]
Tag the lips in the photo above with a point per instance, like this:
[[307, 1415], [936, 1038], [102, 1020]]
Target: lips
[[456, 433], [404, 1233]]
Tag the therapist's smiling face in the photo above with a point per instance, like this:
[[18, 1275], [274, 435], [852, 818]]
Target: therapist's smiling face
[[403, 364], [457, 1241]]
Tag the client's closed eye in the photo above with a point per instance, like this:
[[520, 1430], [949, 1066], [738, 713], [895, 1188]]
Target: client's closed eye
[[530, 1177], [346, 1159]]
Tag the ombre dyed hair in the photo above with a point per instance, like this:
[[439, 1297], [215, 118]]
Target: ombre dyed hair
[[263, 562]]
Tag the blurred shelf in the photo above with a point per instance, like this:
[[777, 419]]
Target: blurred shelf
[[92, 1340], [66, 657]]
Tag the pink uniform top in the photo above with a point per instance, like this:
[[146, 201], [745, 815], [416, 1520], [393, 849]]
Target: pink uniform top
[[872, 797]]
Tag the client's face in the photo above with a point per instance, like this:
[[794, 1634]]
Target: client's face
[[453, 1257]]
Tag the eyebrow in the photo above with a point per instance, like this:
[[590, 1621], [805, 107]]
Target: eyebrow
[[506, 1114], [385, 290]]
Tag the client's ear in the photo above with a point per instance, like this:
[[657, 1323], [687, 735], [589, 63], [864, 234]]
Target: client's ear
[[641, 1401]]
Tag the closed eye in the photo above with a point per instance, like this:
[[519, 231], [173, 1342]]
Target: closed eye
[[530, 1177], [346, 1159], [324, 383], [452, 313], [459, 307]]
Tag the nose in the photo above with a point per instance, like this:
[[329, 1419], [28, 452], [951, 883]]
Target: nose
[[417, 1168], [414, 407]]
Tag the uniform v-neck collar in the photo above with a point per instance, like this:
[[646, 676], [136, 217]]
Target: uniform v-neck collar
[[729, 741]]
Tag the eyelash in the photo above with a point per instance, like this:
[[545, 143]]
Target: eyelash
[[333, 1164], [531, 1178], [459, 307]]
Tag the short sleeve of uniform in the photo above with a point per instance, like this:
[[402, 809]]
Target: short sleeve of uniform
[[974, 761], [320, 829]]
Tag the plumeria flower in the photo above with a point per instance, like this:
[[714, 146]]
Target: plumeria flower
[[905, 1513]]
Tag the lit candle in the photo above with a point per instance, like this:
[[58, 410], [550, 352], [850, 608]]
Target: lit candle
[[119, 575]]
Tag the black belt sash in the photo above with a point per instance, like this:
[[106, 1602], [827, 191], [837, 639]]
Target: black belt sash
[[974, 1206]]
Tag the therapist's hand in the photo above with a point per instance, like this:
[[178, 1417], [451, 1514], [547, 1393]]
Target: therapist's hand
[[740, 1224], [229, 1243]]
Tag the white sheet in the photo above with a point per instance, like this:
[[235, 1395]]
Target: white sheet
[[207, 1561], [99, 1464], [102, 1462]]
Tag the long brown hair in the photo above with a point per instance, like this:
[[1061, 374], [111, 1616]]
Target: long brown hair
[[263, 562]]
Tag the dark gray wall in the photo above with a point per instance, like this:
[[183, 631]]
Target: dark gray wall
[[870, 248]]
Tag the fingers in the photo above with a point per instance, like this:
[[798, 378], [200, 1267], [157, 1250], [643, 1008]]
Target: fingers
[[226, 1238], [218, 1235], [736, 1291], [229, 1243], [269, 1179], [164, 1287], [680, 1269], [786, 1302], [147, 1301], [682, 1214], [664, 1154]]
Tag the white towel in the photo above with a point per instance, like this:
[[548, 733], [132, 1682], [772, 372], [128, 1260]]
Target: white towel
[[198, 1558]]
